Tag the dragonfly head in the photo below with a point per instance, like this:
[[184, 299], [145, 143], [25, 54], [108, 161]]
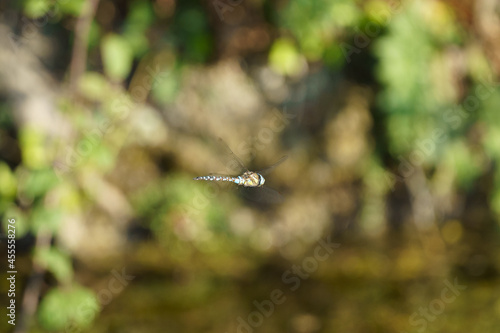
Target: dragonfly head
[[261, 180]]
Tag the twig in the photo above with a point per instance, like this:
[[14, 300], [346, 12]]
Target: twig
[[79, 56], [32, 292]]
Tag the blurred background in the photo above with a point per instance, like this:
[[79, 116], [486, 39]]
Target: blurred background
[[387, 110]]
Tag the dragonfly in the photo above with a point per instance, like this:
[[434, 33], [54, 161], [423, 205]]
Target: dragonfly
[[251, 182]]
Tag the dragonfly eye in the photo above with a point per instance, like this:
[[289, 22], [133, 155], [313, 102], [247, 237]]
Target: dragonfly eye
[[261, 180]]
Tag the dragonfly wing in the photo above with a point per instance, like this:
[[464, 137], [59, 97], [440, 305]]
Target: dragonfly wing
[[271, 168], [231, 162], [262, 194]]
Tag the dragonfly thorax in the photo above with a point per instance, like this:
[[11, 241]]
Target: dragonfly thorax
[[252, 179]]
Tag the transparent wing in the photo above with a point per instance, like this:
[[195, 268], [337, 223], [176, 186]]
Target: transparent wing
[[231, 162], [262, 194], [271, 168]]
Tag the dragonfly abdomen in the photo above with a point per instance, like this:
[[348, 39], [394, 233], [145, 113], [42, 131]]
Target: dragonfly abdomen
[[212, 178], [248, 179]]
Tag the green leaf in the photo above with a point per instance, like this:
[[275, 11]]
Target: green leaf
[[73, 7], [284, 57], [166, 88], [464, 164], [8, 182], [141, 16], [70, 309], [94, 86], [43, 218], [94, 35], [33, 148], [138, 42], [56, 262], [36, 183], [36, 8], [117, 56]]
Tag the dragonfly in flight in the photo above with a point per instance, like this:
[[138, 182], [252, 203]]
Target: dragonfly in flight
[[252, 182]]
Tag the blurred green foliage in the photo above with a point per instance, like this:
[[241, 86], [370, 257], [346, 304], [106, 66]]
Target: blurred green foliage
[[72, 308], [434, 113], [117, 57], [317, 26]]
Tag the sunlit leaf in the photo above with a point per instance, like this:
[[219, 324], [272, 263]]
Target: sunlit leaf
[[8, 182], [117, 56], [36, 8], [284, 57], [33, 148], [56, 262], [94, 86], [43, 218], [166, 89], [466, 166], [36, 183], [68, 309], [73, 7], [138, 42]]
